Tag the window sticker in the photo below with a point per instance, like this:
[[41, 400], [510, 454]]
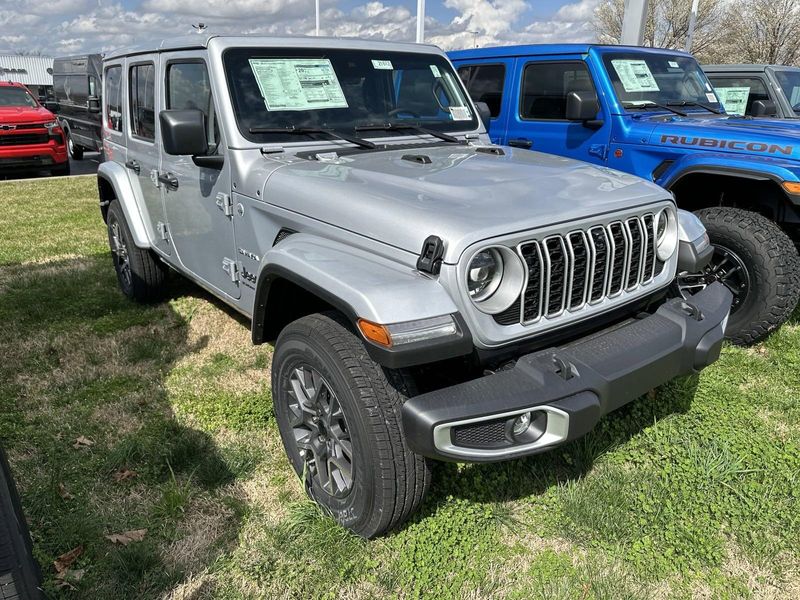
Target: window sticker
[[795, 99], [384, 65], [460, 113], [635, 75], [297, 83], [435, 71], [734, 99], [711, 97], [674, 64]]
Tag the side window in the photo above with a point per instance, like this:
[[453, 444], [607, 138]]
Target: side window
[[737, 94], [545, 87], [485, 84], [113, 109], [141, 84], [188, 86]]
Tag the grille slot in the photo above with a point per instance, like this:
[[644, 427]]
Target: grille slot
[[18, 139], [583, 267]]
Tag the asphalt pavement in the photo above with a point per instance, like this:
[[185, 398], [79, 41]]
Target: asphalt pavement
[[86, 166]]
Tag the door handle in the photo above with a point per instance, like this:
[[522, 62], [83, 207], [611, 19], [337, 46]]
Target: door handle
[[169, 180], [133, 165], [521, 143]]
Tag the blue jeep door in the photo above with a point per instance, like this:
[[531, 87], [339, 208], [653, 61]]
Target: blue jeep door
[[488, 81], [538, 120]]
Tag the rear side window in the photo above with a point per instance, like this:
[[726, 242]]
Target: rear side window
[[113, 82], [737, 94], [485, 84], [142, 101], [545, 87]]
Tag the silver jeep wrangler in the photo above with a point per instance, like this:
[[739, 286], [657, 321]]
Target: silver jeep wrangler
[[429, 295]]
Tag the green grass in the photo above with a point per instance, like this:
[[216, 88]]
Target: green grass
[[692, 491]]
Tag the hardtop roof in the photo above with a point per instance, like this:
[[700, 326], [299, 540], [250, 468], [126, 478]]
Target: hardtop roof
[[545, 49]]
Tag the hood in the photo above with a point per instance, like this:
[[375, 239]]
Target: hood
[[777, 138], [10, 115], [462, 195]]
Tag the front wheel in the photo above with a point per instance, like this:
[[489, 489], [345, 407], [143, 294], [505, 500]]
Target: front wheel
[[338, 413], [757, 262], [75, 150]]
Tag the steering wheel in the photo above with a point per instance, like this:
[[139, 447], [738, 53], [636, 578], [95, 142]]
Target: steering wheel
[[396, 111]]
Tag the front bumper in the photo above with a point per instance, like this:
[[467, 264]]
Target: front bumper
[[33, 156], [567, 390]]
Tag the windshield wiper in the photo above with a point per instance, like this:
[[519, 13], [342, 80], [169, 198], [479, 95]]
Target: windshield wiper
[[649, 103], [700, 104], [407, 127], [312, 130]]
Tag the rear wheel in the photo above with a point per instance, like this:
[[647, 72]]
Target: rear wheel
[[339, 417], [757, 262], [139, 273]]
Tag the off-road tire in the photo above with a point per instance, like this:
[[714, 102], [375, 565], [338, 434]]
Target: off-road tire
[[389, 481], [61, 170], [772, 262], [75, 150], [20, 578], [147, 273]]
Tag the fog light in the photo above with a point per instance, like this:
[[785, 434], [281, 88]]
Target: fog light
[[521, 424]]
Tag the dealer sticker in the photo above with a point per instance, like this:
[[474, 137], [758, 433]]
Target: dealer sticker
[[383, 65], [460, 113], [435, 71]]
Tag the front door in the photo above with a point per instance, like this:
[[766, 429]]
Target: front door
[[538, 118], [143, 145], [197, 203]]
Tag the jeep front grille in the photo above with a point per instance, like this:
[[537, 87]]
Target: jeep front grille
[[567, 272]]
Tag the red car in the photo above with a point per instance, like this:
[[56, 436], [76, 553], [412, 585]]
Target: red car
[[30, 135]]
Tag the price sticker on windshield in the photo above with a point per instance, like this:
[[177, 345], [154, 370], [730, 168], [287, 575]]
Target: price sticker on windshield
[[435, 71], [460, 113], [635, 75], [383, 65], [297, 83]]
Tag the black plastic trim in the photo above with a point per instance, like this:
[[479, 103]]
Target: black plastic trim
[[690, 260], [408, 355], [607, 371]]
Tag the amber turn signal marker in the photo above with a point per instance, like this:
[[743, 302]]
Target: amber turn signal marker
[[793, 187], [375, 333]]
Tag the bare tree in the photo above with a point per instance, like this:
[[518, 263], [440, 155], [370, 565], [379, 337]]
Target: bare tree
[[667, 24], [763, 31]]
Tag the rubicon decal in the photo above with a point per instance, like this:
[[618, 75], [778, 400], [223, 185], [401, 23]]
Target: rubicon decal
[[727, 144]]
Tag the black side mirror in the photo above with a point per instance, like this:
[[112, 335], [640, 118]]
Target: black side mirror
[[484, 113], [51, 105], [764, 108], [183, 132], [582, 106], [93, 104]]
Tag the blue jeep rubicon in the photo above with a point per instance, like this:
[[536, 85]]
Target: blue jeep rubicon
[[653, 113]]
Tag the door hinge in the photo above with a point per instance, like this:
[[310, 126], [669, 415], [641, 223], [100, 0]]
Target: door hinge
[[599, 150], [163, 231], [231, 267], [225, 204]]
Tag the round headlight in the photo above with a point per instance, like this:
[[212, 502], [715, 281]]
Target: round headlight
[[495, 277], [666, 234], [484, 274]]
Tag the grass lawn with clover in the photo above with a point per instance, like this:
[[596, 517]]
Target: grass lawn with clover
[[119, 418]]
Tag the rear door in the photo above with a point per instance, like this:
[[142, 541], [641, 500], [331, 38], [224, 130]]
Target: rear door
[[538, 120], [489, 81], [198, 204], [143, 142]]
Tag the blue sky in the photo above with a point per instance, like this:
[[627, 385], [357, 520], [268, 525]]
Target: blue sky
[[73, 26]]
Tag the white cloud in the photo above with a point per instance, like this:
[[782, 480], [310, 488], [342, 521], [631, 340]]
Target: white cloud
[[71, 26]]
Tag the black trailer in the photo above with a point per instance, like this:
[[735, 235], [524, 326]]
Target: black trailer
[[77, 88]]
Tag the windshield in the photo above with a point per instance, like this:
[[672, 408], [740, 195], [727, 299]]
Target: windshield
[[790, 84], [341, 90], [16, 96], [642, 78]]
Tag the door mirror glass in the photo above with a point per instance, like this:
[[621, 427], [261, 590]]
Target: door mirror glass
[[93, 104], [582, 106], [764, 108], [183, 132]]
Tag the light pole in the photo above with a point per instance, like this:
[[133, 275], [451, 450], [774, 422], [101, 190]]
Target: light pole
[[692, 24], [420, 21], [316, 15], [474, 37], [633, 22]]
